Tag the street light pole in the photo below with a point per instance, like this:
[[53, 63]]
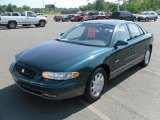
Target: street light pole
[[43, 4], [118, 5]]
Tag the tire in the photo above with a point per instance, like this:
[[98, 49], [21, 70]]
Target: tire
[[155, 19], [134, 19], [42, 23], [93, 89], [146, 19], [12, 25], [147, 57]]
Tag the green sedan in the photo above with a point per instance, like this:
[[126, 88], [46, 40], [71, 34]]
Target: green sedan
[[82, 60]]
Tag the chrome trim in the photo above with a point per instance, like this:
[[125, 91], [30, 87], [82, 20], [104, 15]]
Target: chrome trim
[[139, 59]]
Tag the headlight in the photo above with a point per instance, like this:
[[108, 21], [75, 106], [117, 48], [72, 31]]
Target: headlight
[[60, 75]]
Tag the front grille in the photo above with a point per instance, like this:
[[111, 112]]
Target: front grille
[[25, 71]]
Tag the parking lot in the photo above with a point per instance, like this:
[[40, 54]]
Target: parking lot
[[133, 95]]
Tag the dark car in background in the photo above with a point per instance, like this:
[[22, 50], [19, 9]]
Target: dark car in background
[[147, 15], [70, 17], [57, 18], [82, 60], [123, 15]]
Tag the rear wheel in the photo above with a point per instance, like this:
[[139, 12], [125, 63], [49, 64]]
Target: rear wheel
[[95, 85], [147, 57], [155, 19], [12, 25]]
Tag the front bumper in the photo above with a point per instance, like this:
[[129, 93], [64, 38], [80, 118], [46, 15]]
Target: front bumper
[[50, 89]]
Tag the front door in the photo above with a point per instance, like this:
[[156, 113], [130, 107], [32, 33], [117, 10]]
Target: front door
[[123, 55], [31, 18]]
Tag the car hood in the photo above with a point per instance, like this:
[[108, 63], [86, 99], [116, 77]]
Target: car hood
[[56, 56]]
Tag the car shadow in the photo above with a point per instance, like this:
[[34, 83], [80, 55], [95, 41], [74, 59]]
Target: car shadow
[[122, 77], [18, 27], [16, 104]]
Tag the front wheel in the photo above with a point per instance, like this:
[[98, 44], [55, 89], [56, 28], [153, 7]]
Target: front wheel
[[146, 19], [134, 19], [42, 23], [147, 58], [95, 85]]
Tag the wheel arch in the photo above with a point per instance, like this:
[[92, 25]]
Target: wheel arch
[[12, 21], [106, 68], [151, 46], [42, 20]]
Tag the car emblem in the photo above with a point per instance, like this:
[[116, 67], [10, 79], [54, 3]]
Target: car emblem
[[23, 70]]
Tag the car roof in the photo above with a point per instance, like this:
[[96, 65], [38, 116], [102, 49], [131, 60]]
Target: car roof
[[108, 22]]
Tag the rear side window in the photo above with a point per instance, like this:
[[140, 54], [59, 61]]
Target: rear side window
[[140, 30], [15, 14], [30, 14], [115, 14], [122, 33], [134, 29], [152, 13]]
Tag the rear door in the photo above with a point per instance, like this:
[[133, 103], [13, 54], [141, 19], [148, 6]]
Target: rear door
[[138, 39]]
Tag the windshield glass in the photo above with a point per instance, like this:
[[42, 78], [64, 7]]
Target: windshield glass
[[145, 13], [89, 34]]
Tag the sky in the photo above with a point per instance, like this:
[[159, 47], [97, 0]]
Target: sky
[[39, 3]]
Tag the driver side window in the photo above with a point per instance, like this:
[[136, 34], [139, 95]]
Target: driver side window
[[122, 33], [30, 14]]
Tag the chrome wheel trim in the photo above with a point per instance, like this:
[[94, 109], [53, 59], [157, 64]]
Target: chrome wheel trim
[[12, 25], [97, 84], [147, 57], [42, 24]]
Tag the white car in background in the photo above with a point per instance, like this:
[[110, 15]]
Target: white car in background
[[12, 19], [147, 15]]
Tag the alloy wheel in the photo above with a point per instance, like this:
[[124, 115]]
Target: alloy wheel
[[97, 84]]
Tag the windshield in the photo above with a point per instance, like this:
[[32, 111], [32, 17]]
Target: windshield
[[145, 13], [89, 34]]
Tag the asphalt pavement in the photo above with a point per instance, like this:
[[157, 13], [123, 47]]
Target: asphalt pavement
[[133, 95]]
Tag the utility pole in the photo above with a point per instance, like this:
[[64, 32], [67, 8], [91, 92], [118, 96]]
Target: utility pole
[[43, 4], [119, 4]]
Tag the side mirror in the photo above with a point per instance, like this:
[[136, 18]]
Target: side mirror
[[61, 34], [121, 43]]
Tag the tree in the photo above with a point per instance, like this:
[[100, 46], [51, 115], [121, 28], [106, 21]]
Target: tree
[[9, 8], [100, 5], [26, 8]]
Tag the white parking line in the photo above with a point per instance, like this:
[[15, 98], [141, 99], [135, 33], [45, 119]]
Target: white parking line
[[96, 111], [157, 73]]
